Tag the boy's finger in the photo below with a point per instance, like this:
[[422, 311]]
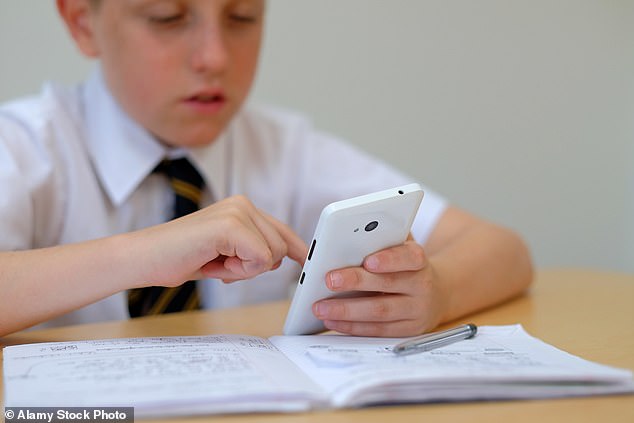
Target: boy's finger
[[408, 256], [359, 279], [383, 329], [378, 308], [296, 247]]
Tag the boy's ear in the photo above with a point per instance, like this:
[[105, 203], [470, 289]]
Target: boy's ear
[[77, 16]]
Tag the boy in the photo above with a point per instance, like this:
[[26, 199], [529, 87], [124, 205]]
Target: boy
[[173, 76]]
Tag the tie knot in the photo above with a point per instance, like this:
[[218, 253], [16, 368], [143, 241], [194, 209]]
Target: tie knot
[[186, 183], [181, 169]]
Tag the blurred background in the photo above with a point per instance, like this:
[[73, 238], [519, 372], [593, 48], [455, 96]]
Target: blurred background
[[520, 111]]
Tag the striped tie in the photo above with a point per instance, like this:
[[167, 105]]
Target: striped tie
[[187, 185]]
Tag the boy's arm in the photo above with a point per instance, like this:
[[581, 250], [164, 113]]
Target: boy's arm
[[229, 240], [479, 263], [467, 264]]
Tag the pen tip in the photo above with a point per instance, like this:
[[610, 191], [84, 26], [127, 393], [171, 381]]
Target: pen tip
[[473, 328]]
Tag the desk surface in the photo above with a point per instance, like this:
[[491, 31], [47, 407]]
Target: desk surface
[[587, 313]]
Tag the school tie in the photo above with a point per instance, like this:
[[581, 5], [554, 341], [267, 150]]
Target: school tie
[[187, 184]]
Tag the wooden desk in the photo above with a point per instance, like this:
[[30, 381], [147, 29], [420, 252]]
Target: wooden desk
[[588, 313]]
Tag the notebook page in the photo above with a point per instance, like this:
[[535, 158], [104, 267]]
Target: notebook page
[[158, 376], [500, 362]]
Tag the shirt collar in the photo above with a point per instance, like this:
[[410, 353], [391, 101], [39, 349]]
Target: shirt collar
[[124, 153]]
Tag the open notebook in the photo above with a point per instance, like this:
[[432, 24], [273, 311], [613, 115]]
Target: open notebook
[[239, 373]]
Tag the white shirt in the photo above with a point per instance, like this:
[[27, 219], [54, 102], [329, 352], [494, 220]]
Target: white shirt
[[74, 166]]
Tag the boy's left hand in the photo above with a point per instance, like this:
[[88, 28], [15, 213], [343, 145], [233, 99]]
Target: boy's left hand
[[403, 297]]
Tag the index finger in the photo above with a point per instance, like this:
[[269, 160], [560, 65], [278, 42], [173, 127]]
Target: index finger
[[297, 248]]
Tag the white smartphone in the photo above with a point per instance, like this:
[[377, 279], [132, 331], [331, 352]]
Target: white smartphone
[[346, 233]]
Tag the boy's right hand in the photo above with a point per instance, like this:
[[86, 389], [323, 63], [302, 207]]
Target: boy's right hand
[[229, 240]]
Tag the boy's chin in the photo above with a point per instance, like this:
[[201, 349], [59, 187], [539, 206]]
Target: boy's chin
[[200, 139]]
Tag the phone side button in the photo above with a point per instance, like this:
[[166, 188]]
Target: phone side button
[[312, 248], [301, 279]]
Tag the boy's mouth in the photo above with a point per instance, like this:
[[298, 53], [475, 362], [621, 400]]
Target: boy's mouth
[[205, 98], [208, 102]]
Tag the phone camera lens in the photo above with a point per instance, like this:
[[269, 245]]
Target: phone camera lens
[[371, 226]]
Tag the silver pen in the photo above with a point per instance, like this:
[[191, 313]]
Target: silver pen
[[434, 340]]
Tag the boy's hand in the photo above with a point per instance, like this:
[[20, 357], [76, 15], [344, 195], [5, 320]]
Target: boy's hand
[[255, 242], [229, 240], [403, 298]]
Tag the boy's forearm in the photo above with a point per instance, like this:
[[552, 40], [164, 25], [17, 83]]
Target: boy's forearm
[[482, 267], [38, 285]]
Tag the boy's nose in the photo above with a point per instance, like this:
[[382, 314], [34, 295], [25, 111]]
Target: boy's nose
[[209, 53]]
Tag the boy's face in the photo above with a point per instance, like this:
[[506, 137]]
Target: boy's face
[[181, 68]]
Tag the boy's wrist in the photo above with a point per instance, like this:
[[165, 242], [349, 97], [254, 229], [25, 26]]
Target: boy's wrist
[[442, 293], [129, 265]]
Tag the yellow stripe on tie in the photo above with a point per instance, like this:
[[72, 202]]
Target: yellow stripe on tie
[[186, 190], [193, 302], [163, 301]]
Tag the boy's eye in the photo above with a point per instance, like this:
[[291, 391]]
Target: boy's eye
[[166, 19], [243, 18]]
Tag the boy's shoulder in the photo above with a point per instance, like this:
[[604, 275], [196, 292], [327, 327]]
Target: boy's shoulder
[[38, 114], [52, 100]]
